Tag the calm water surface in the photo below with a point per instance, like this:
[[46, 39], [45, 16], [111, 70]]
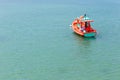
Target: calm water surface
[[36, 42]]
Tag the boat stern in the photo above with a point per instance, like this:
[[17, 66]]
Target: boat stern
[[92, 34]]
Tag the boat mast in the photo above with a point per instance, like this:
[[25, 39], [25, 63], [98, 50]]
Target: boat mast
[[85, 16]]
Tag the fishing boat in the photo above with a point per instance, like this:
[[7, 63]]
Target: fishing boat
[[82, 27]]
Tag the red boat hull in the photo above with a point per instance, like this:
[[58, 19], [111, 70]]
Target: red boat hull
[[91, 33]]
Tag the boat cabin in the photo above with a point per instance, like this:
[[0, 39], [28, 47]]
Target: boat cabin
[[85, 24]]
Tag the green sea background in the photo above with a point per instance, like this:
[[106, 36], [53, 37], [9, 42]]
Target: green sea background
[[37, 43]]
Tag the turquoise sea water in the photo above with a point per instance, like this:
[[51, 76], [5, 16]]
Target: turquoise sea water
[[36, 42]]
